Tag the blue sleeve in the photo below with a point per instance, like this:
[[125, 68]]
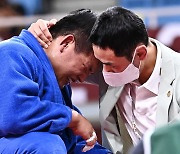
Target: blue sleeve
[[21, 108], [98, 149]]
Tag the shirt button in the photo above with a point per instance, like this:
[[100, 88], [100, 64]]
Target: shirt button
[[168, 93]]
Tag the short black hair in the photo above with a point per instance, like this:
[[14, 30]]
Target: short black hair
[[120, 30], [79, 23]]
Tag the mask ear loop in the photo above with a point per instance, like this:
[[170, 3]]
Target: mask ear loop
[[134, 58]]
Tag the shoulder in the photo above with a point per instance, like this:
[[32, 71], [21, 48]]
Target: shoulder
[[16, 55], [15, 48], [13, 45]]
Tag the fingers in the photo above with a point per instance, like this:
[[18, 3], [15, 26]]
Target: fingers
[[87, 148], [52, 22], [38, 34], [90, 142], [41, 32], [93, 137]]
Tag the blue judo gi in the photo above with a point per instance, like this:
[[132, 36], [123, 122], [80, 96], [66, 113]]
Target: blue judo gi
[[34, 111]]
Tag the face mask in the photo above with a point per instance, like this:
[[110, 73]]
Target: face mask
[[130, 74]]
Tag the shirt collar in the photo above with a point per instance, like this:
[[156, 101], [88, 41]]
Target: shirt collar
[[152, 84]]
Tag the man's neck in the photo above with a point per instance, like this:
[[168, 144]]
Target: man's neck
[[148, 63]]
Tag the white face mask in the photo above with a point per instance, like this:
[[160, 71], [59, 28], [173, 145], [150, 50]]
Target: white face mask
[[130, 74]]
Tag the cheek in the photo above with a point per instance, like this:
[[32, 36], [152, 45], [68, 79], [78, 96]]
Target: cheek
[[74, 70], [107, 68], [80, 71], [119, 68]]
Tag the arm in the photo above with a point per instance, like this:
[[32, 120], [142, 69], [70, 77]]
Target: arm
[[98, 149], [81, 126]]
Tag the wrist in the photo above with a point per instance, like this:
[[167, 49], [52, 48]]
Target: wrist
[[75, 118]]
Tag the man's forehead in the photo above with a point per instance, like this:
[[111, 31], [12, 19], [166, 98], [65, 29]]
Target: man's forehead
[[104, 56]]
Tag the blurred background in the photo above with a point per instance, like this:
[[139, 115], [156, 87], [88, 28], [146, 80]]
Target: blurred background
[[162, 19]]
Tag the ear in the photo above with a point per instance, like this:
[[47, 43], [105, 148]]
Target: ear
[[141, 51], [67, 40]]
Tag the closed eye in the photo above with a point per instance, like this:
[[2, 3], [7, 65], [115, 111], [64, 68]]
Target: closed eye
[[107, 63], [91, 70]]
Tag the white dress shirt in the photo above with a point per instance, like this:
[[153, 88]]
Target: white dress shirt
[[140, 105]]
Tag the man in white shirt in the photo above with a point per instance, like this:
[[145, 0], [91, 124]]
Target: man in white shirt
[[143, 78]]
